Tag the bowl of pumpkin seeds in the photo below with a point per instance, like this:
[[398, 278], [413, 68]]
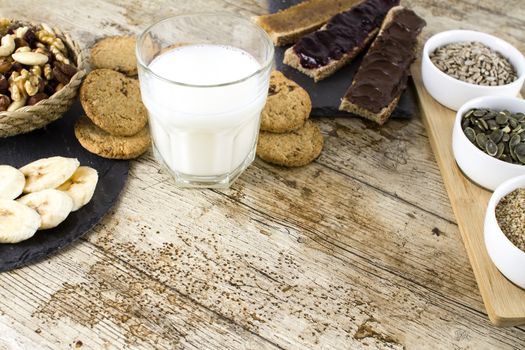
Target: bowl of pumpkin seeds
[[459, 65], [488, 139]]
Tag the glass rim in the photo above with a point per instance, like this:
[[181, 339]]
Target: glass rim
[[266, 64]]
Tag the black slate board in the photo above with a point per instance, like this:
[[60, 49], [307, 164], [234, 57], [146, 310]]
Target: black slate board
[[326, 95], [58, 139]]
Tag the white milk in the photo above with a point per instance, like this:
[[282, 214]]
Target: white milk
[[204, 131]]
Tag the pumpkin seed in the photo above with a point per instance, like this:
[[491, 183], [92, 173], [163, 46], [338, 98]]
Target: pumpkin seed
[[481, 140], [491, 148], [483, 124], [492, 124], [465, 123], [469, 114], [513, 154], [519, 116], [501, 148], [520, 152], [495, 136], [489, 116], [501, 119], [514, 140], [479, 113], [470, 134]]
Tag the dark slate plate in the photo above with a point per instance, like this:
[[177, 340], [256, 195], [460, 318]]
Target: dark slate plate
[[58, 139], [326, 95]]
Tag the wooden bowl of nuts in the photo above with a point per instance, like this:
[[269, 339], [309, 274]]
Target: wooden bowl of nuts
[[41, 69]]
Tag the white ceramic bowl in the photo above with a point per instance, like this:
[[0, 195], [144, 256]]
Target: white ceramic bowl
[[509, 259], [453, 93], [481, 168]]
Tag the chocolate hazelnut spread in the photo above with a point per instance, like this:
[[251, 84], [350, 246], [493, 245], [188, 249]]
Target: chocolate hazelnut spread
[[383, 74], [344, 32]]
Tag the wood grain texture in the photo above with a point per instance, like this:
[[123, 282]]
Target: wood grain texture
[[505, 302], [359, 250]]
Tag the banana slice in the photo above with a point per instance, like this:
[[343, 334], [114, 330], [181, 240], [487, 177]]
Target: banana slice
[[12, 182], [48, 173], [53, 206], [81, 186], [17, 221]]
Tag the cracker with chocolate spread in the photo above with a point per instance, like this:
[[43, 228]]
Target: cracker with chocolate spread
[[383, 74], [322, 53]]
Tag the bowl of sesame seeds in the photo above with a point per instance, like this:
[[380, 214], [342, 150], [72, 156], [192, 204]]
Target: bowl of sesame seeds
[[505, 229], [459, 65]]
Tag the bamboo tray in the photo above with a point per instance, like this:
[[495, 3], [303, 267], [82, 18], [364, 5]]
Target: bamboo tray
[[504, 301]]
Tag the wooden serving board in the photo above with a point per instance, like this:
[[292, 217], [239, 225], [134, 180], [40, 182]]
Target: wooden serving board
[[504, 301]]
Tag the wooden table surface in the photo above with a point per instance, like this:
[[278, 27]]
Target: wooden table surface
[[358, 250]]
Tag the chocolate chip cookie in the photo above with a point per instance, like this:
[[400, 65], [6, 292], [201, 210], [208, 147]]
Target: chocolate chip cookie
[[296, 148], [287, 107], [115, 52], [113, 102], [97, 141]]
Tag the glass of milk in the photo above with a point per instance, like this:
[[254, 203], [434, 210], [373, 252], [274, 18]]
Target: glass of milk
[[204, 80]]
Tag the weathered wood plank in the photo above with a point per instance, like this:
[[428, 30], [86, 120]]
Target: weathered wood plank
[[88, 298], [357, 250], [328, 278], [396, 160]]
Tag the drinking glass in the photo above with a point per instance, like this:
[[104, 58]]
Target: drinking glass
[[204, 133]]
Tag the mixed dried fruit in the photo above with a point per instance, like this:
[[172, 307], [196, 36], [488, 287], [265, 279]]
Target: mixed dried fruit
[[34, 64]]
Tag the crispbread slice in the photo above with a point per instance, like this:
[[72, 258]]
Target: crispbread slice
[[382, 116], [287, 26]]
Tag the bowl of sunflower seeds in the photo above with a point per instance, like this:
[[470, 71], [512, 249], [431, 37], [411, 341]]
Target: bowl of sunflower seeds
[[459, 65]]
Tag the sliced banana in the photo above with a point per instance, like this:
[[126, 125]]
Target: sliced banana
[[53, 206], [12, 182], [81, 186], [48, 173], [18, 222]]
